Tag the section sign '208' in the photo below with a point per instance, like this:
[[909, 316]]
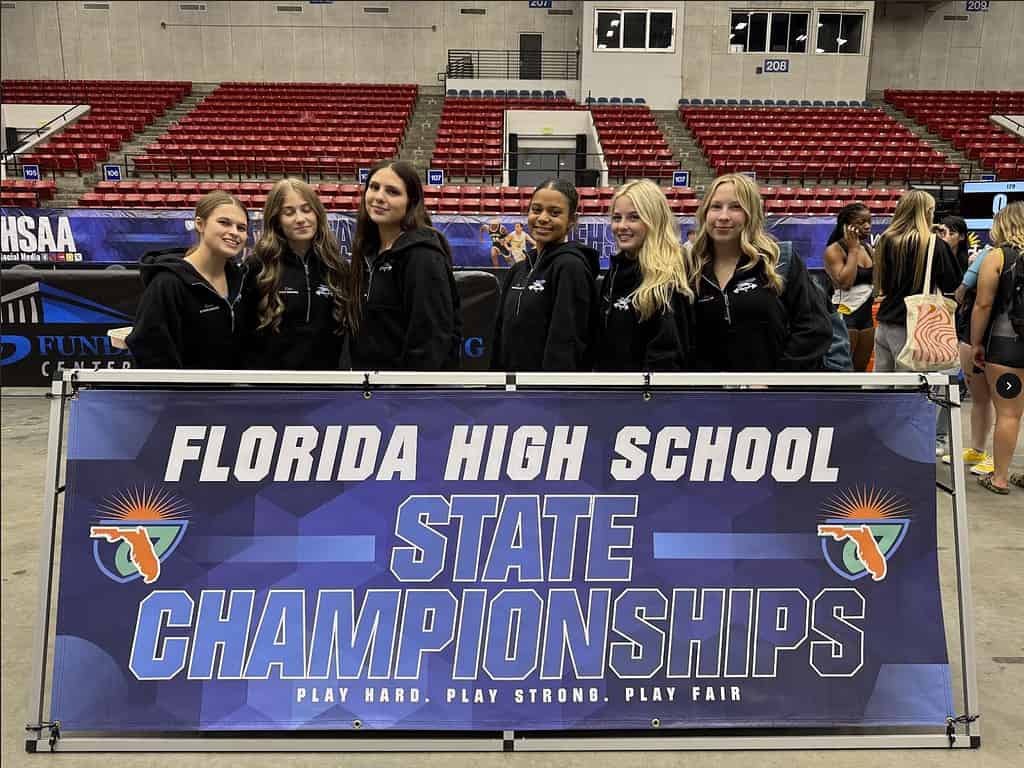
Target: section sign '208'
[[480, 560]]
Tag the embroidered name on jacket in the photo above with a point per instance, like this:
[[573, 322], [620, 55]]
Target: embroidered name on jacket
[[209, 308], [536, 286]]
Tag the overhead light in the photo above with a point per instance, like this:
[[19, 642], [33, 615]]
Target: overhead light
[[610, 33], [819, 50], [840, 41], [601, 45], [801, 38], [741, 25], [615, 22], [732, 35]]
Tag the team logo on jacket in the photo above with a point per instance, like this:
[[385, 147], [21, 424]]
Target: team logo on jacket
[[136, 532], [746, 285], [536, 286], [385, 267], [622, 304], [862, 531], [323, 291]]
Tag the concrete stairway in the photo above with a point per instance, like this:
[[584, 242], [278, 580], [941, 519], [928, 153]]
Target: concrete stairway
[[684, 148], [421, 135], [934, 141]]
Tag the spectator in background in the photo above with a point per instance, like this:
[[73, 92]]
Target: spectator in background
[[982, 414], [900, 257], [849, 264], [300, 284], [691, 236], [646, 297], [404, 309], [997, 341], [194, 312], [547, 319], [749, 317]]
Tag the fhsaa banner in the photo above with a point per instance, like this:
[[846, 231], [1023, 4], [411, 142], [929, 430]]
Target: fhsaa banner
[[90, 235], [480, 560]]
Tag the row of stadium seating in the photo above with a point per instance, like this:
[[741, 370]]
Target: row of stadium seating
[[475, 199], [24, 193], [780, 143], [963, 118], [772, 103], [117, 111], [325, 130]]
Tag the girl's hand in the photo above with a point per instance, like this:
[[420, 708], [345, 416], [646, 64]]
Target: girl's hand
[[851, 238]]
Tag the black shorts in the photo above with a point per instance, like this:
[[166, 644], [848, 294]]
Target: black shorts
[[1003, 350], [860, 319]]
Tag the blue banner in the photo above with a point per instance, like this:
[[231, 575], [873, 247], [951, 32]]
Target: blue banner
[[458, 560], [92, 235]]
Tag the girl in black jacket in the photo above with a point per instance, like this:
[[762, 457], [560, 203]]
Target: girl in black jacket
[[404, 309], [646, 298], [193, 312], [547, 320], [300, 289], [749, 316]]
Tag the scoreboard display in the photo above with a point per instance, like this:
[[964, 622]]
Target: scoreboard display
[[981, 200]]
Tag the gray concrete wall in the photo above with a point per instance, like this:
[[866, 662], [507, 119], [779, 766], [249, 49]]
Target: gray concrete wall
[[916, 46], [336, 42]]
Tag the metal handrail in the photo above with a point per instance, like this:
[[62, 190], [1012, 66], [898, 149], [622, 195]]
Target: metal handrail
[[546, 65], [6, 156]]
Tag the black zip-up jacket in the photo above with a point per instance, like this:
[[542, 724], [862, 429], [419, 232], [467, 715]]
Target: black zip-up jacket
[[663, 342], [411, 318], [748, 327], [307, 338], [946, 275], [182, 322], [549, 311]]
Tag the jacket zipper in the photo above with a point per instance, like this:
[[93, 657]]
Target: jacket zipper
[[369, 283], [230, 304], [309, 298], [525, 287], [725, 298], [611, 293]]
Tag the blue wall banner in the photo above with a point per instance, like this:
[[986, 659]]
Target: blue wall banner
[[480, 560], [94, 235]]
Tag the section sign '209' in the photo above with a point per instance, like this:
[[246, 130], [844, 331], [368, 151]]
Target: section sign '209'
[[483, 560]]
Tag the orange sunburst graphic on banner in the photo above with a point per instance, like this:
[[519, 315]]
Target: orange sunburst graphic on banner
[[143, 504], [862, 529], [864, 504]]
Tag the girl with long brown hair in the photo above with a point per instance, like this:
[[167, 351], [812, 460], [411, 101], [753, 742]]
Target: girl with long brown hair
[[300, 296], [404, 310]]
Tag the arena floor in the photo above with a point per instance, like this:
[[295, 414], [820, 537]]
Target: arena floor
[[997, 557]]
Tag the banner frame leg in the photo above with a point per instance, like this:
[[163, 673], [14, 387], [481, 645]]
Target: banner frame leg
[[965, 598], [47, 540]]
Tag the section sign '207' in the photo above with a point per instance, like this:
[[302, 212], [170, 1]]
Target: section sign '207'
[[481, 560]]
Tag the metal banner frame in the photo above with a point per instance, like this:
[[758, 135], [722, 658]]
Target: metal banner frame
[[44, 735]]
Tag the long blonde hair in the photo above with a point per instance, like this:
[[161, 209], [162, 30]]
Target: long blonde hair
[[271, 247], [755, 243], [904, 239], [662, 266], [1008, 226]]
